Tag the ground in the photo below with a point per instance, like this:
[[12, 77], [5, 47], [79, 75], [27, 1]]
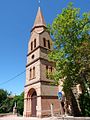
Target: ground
[[49, 118], [24, 118]]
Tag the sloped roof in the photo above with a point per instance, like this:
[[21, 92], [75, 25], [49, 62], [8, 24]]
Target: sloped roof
[[39, 21]]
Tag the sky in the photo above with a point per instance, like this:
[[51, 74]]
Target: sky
[[16, 20]]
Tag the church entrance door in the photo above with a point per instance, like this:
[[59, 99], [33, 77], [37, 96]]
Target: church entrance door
[[33, 104]]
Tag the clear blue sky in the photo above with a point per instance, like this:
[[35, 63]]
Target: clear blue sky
[[16, 20]]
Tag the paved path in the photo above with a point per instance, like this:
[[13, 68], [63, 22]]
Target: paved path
[[49, 118], [24, 118]]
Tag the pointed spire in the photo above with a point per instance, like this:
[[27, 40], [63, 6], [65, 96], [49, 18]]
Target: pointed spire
[[39, 21]]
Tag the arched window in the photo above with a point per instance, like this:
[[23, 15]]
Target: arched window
[[34, 43], [44, 42], [49, 71], [33, 72], [48, 44], [30, 73]]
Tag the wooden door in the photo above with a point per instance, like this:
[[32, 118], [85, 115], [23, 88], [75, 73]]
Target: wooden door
[[34, 104]]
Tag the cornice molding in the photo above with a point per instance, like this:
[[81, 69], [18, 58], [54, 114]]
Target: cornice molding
[[48, 83], [37, 48], [44, 97]]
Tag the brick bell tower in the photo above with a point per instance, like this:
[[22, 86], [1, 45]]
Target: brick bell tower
[[39, 94]]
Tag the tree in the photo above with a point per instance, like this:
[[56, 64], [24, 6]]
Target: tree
[[6, 106], [20, 103], [7, 102], [3, 96], [83, 60], [71, 53]]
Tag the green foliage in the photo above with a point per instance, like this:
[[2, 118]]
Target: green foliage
[[3, 95], [7, 103], [6, 106], [71, 53], [20, 103], [85, 104], [70, 32]]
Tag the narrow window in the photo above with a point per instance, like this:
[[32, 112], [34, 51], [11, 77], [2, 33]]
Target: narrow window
[[31, 45], [48, 44], [30, 73], [34, 43], [46, 71], [44, 42], [33, 72], [49, 69]]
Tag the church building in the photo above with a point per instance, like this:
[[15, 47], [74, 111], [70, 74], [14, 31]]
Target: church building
[[39, 93]]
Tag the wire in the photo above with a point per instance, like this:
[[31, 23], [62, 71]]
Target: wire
[[12, 78], [18, 76]]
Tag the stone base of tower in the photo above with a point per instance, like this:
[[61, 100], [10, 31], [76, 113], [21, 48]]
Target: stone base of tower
[[38, 99], [45, 110]]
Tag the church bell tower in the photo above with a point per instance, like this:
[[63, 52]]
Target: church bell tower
[[39, 94]]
